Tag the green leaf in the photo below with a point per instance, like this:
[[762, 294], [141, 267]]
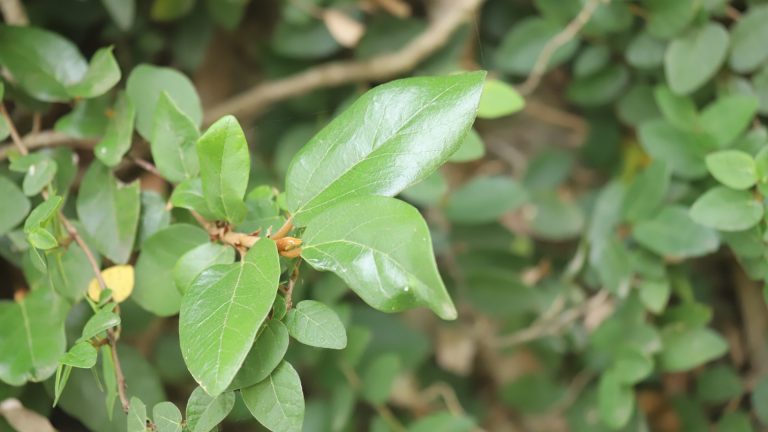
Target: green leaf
[[41, 239], [679, 110], [169, 10], [631, 366], [35, 225], [686, 348], [646, 192], [591, 60], [727, 117], [204, 412], [32, 340], [173, 141], [189, 195], [428, 192], [307, 41], [402, 132], [748, 48], [69, 271], [600, 88], [108, 374], [41, 62], [522, 45], [15, 205], [381, 248], [683, 151], [315, 324], [379, 377], [278, 401], [100, 322], [122, 12], [443, 422], [694, 58], [668, 18], [654, 295], [39, 175], [718, 384], [727, 209], [137, 416], [733, 168], [109, 212], [736, 421], [265, 355], [554, 217], [499, 99], [167, 417], [102, 74], [197, 259], [118, 136], [81, 355], [616, 401], [154, 216], [155, 288], [672, 233], [484, 199], [88, 119], [222, 311], [225, 164], [471, 149], [645, 51], [145, 85], [759, 400]]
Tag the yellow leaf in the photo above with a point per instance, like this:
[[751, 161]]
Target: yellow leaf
[[118, 278]]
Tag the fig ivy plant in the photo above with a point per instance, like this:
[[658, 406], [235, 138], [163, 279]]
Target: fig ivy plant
[[228, 255]]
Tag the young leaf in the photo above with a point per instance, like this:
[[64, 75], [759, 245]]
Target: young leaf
[[102, 321], [32, 340], [167, 417], [265, 355], [35, 225], [137, 416], [174, 136], [145, 85], [315, 324], [81, 355], [197, 259], [204, 412], [15, 205], [381, 247], [189, 195], [694, 58], [109, 212], [222, 311], [119, 134], [102, 74], [499, 99], [686, 348], [155, 288], [727, 209], [38, 176], [402, 132], [733, 168], [225, 165], [278, 401]]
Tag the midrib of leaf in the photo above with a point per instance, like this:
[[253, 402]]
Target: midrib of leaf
[[226, 319], [384, 142], [277, 396], [28, 332]]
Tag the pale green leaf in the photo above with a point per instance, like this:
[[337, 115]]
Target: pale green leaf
[[137, 416], [616, 401], [102, 74], [522, 45], [499, 99], [471, 149], [16, 205], [727, 117], [379, 377], [189, 195], [122, 12], [695, 57], [278, 401], [173, 141], [686, 348], [748, 48], [204, 412], [672, 233], [727, 209], [733, 168], [118, 136], [166, 417], [646, 192]]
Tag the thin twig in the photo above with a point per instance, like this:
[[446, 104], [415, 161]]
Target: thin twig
[[255, 100], [566, 35], [47, 139], [146, 165], [14, 133], [13, 12]]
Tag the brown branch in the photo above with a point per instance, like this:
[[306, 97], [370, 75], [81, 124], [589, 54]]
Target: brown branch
[[566, 35], [13, 12], [49, 139], [252, 102], [14, 133]]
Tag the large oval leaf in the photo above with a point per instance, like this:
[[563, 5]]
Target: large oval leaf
[[224, 168], [278, 401], [381, 247], [155, 288], [109, 212], [392, 137], [222, 311]]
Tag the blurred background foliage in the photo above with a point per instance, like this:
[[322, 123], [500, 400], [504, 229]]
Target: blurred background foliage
[[593, 293]]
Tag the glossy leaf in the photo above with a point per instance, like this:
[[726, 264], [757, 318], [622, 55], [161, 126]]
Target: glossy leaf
[[222, 311], [733, 168], [315, 324], [727, 209], [197, 259], [16, 205], [694, 58], [102, 74], [265, 355], [119, 134], [225, 165], [204, 412], [402, 132], [145, 85], [386, 258], [32, 340], [278, 401], [109, 212], [155, 288], [174, 136]]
